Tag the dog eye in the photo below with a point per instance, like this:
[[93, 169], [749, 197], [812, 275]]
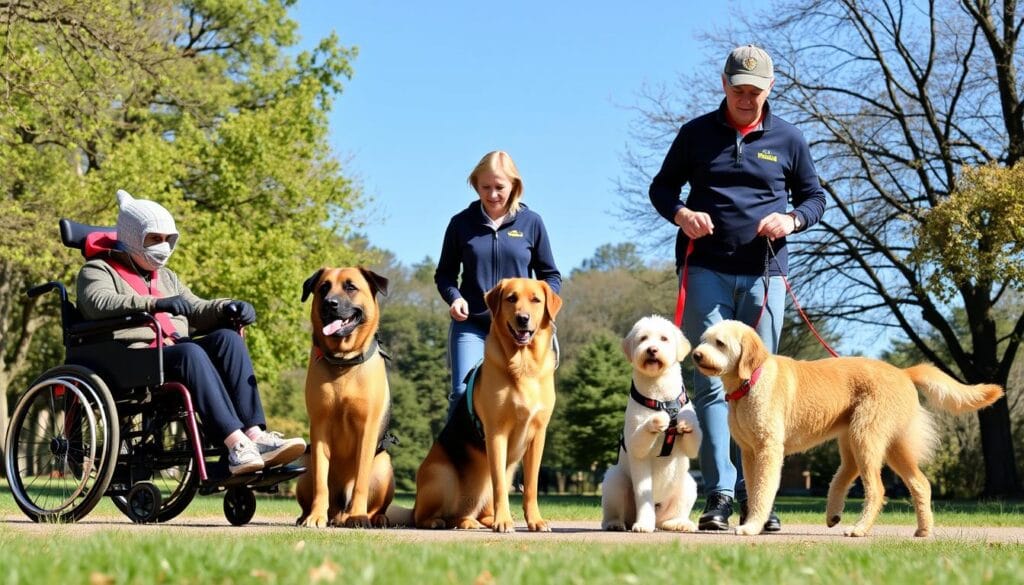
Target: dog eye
[[349, 287], [664, 338], [513, 298], [719, 343], [325, 287], [535, 300]]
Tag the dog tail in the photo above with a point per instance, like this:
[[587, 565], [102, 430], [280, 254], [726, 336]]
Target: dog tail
[[399, 516], [950, 395]]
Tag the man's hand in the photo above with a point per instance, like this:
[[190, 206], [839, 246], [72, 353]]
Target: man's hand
[[175, 305], [459, 309], [776, 225], [695, 224]]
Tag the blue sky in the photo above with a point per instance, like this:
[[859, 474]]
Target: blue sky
[[439, 84]]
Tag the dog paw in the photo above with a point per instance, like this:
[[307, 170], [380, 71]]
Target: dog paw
[[923, 532], [614, 526], [832, 520], [643, 527], [314, 521], [683, 525], [504, 526], [538, 526], [855, 531], [360, 521], [749, 529], [468, 524], [658, 423]]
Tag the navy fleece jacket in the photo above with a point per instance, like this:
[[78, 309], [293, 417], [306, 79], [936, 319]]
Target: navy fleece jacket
[[737, 183], [519, 248]]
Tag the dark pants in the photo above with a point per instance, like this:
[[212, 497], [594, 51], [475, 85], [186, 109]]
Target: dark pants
[[218, 372]]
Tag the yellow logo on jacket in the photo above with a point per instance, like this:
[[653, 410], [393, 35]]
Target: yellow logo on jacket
[[767, 155], [515, 234]]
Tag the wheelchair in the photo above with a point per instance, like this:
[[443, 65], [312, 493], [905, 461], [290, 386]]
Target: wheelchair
[[107, 423]]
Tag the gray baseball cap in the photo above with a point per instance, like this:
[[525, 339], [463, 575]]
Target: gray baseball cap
[[749, 65]]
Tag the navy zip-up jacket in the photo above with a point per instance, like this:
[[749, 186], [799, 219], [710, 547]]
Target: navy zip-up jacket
[[738, 183], [520, 248]]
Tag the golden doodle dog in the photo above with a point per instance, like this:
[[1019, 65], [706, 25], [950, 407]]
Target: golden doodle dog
[[650, 486], [463, 482], [778, 405], [350, 481]]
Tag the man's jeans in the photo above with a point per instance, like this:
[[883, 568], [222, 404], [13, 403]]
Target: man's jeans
[[712, 297]]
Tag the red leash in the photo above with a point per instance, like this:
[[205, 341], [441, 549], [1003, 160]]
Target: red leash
[[681, 299]]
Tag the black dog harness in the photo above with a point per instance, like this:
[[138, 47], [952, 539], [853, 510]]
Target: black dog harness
[[672, 407]]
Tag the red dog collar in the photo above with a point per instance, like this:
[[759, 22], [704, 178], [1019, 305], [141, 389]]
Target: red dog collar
[[745, 387]]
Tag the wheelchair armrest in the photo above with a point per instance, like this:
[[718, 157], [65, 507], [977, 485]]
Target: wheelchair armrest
[[88, 328]]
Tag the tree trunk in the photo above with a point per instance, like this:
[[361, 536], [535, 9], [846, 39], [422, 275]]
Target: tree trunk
[[997, 448]]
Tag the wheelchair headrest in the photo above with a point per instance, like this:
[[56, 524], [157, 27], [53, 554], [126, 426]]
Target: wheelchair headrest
[[73, 234]]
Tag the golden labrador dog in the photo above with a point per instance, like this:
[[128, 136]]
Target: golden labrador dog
[[650, 486], [778, 405], [350, 481], [463, 482]]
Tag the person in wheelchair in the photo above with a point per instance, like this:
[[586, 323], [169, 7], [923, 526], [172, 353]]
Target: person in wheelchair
[[130, 275]]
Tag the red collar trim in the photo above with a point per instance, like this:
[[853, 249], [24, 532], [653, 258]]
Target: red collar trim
[[745, 387]]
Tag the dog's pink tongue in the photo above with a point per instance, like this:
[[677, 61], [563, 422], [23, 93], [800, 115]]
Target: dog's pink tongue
[[333, 327]]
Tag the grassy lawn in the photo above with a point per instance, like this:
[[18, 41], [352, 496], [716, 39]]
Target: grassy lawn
[[151, 555]]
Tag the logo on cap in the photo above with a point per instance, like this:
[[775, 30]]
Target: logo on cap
[[749, 63]]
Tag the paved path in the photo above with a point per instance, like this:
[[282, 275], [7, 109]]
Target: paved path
[[579, 531]]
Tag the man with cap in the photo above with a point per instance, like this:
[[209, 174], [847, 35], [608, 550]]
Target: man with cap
[[129, 275], [744, 166]]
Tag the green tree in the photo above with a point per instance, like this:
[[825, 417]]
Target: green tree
[[195, 104], [416, 339], [592, 397]]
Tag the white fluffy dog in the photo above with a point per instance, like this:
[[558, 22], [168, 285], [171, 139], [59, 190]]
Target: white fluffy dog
[[650, 486]]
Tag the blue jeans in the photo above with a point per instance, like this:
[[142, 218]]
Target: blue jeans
[[465, 350], [712, 297]]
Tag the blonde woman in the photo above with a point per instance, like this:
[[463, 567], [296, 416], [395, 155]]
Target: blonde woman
[[495, 237]]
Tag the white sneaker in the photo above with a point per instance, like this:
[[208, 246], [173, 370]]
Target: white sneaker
[[244, 457], [276, 450]]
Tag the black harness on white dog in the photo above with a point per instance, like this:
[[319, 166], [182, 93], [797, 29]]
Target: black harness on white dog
[[672, 407]]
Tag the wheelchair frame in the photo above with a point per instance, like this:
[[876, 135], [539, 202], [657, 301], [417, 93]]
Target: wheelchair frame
[[72, 440]]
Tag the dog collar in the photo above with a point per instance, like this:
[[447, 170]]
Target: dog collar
[[671, 406], [745, 387], [320, 354]]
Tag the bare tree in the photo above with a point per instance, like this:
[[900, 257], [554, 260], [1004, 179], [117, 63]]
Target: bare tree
[[896, 98]]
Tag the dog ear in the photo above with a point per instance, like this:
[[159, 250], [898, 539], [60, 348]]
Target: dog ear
[[307, 287], [378, 283], [683, 346], [627, 346], [493, 298], [753, 353], [552, 302]]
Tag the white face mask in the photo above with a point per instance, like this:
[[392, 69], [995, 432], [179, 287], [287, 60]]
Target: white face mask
[[155, 257]]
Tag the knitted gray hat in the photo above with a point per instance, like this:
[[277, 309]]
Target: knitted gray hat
[[138, 217]]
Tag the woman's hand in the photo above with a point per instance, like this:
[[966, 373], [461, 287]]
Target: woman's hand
[[459, 309]]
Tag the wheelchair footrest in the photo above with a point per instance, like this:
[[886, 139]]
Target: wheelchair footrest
[[264, 480]]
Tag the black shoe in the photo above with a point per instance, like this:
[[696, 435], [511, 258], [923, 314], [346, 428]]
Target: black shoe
[[716, 512], [772, 524]]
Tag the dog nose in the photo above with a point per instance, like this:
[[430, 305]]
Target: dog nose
[[522, 320], [652, 351], [697, 356]]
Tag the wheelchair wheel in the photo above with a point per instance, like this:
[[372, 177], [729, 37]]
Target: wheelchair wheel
[[62, 445], [239, 505], [143, 502], [157, 450]]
